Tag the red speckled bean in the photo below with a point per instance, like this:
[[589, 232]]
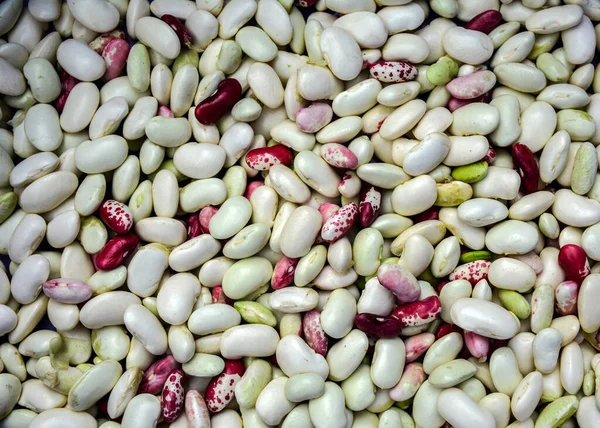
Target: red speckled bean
[[340, 223], [262, 159], [418, 313], [339, 156], [472, 271], [116, 250], [313, 332], [196, 411], [393, 71], [221, 389], [399, 281], [116, 216], [173, 395], [220, 103]]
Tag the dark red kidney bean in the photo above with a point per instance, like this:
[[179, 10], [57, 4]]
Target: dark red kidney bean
[[485, 21], [116, 250], [379, 326], [220, 103], [527, 167], [184, 35]]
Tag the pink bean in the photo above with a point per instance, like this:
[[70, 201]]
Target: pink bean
[[196, 411], [283, 274], [472, 86], [411, 380], [573, 260], [313, 332], [251, 187], [378, 326], [314, 117], [472, 271], [165, 111], [565, 297], [156, 375], [220, 103], [115, 56], [525, 164], [69, 291], [183, 34], [478, 346], [340, 223], [116, 250], [485, 22], [262, 159], [418, 345], [173, 396], [399, 281], [117, 216], [221, 389], [350, 184], [418, 313], [393, 71], [339, 156], [204, 217], [370, 203]]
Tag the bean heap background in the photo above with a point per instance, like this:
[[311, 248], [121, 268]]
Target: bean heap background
[[334, 213]]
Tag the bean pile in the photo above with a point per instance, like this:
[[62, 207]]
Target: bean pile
[[310, 213]]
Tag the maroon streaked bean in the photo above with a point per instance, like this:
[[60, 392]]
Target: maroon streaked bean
[[370, 203], [209, 111], [116, 250], [485, 22], [218, 296], [283, 274], [565, 297], [193, 223], [184, 35], [527, 167], [418, 345], [115, 56], [379, 326], [573, 260], [155, 376], [67, 83], [455, 103]]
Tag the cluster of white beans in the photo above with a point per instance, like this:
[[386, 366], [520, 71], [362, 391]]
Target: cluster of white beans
[[310, 213]]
